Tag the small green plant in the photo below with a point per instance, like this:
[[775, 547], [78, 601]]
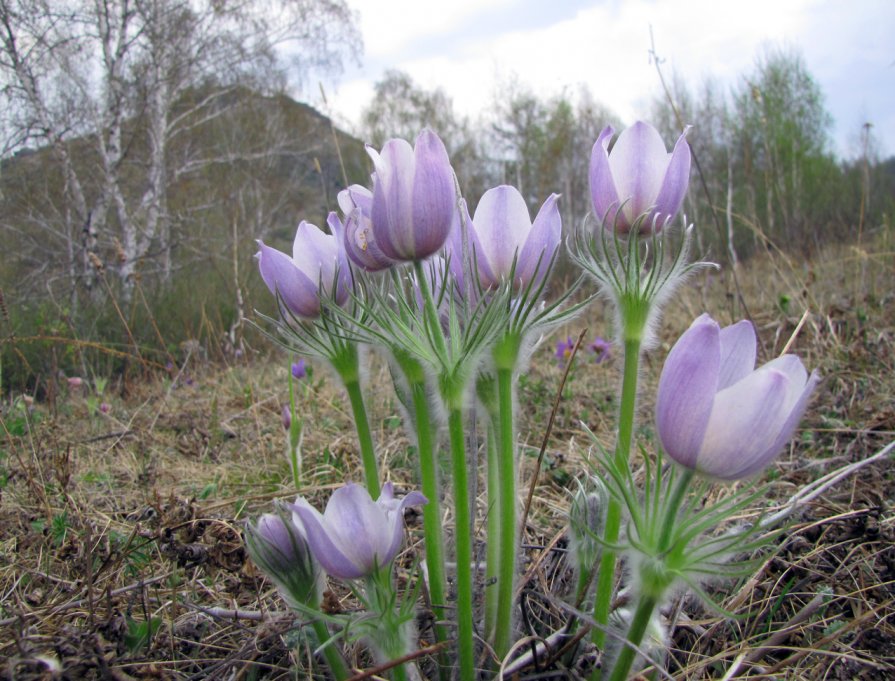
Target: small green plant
[[139, 633]]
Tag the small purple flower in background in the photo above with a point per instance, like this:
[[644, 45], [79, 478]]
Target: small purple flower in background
[[355, 536], [414, 197], [639, 175], [75, 382], [286, 417], [502, 231], [299, 370], [564, 349], [316, 259], [601, 348], [105, 407], [719, 415]]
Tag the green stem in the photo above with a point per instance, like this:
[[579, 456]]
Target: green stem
[[362, 424], [290, 436], [606, 574], [492, 556], [463, 540], [642, 615], [506, 470], [332, 655], [433, 535]]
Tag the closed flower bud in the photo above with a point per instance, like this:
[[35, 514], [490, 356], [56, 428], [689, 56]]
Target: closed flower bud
[[414, 198], [587, 515], [638, 179], [278, 546], [355, 536], [719, 415], [318, 261]]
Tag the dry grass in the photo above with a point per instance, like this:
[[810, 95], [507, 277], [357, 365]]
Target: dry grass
[[108, 522]]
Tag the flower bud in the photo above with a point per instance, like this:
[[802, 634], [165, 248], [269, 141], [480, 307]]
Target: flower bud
[[587, 516], [278, 546]]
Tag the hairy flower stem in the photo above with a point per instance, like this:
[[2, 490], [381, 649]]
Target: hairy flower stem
[[492, 555], [606, 574], [463, 540], [434, 538], [362, 424], [506, 472], [642, 615], [333, 657]]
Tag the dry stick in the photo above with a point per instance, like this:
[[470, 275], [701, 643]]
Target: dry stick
[[705, 187], [385, 666], [534, 477]]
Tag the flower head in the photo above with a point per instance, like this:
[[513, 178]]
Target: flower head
[[317, 262], [356, 203], [564, 349], [601, 348], [414, 198], [502, 233], [299, 370], [639, 177], [279, 547], [355, 536], [716, 413]]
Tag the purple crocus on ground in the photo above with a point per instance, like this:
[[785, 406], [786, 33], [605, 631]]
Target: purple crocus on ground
[[414, 197], [356, 536], [638, 177], [299, 369], [719, 415]]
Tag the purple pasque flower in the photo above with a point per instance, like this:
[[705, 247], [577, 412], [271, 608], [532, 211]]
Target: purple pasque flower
[[318, 261], [502, 232], [601, 348], [299, 369], [355, 536], [414, 197], [719, 415], [564, 349], [361, 248], [277, 544], [638, 177]]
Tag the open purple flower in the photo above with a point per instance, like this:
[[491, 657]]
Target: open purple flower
[[356, 203], [317, 260], [638, 177], [355, 536], [564, 349], [601, 348], [719, 415], [414, 198], [502, 232]]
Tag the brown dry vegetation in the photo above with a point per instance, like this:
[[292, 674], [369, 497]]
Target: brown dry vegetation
[[110, 521]]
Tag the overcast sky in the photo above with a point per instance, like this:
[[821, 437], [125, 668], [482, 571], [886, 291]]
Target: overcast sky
[[466, 46]]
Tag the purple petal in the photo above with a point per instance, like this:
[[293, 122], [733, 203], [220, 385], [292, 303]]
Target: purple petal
[[638, 162], [315, 253], [686, 390], [602, 185], [738, 345], [360, 243], [327, 553], [502, 224], [297, 290], [343, 272], [392, 212], [541, 244], [674, 184], [746, 420], [434, 196], [357, 525]]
